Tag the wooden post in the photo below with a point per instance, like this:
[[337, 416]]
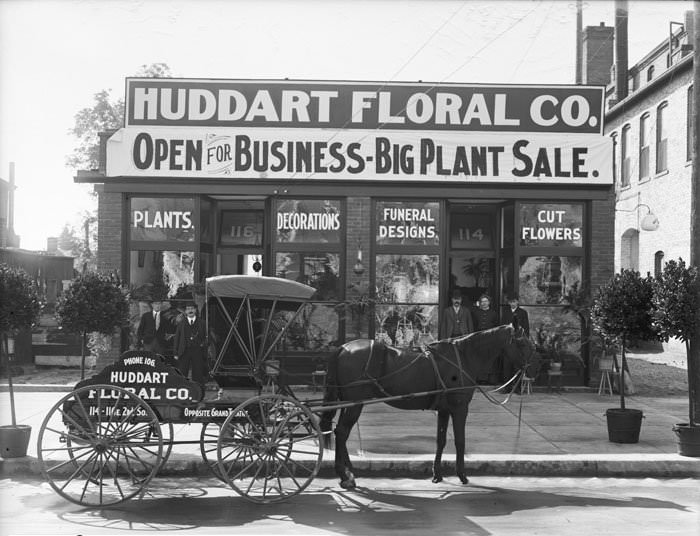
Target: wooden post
[[694, 347]]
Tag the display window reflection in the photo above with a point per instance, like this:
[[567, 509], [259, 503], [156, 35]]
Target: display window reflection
[[407, 299], [551, 225], [546, 279], [556, 335], [158, 276], [318, 270], [473, 274], [318, 324], [162, 219]]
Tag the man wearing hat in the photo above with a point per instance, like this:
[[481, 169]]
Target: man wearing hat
[[517, 315], [456, 319], [190, 343], [154, 328]]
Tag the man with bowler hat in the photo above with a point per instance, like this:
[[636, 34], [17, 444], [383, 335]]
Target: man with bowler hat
[[456, 320], [190, 343]]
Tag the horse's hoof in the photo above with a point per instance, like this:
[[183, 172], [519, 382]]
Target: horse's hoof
[[349, 481], [437, 479], [347, 484], [463, 479]]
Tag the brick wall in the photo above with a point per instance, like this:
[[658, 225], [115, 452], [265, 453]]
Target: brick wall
[[109, 252], [358, 233]]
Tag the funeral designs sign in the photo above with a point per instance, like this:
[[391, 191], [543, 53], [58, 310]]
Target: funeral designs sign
[[286, 130]]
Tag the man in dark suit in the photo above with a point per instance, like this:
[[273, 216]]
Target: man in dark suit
[[190, 344], [486, 318], [456, 319], [519, 318], [154, 330]]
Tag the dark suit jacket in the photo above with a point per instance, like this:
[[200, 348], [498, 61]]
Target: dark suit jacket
[[187, 336], [455, 323], [147, 332], [523, 320]]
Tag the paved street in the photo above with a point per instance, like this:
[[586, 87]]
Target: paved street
[[489, 505]]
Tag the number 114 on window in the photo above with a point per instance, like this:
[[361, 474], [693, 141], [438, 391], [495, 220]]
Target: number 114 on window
[[465, 233]]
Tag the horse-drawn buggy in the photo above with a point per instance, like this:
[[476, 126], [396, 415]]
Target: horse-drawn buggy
[[103, 442]]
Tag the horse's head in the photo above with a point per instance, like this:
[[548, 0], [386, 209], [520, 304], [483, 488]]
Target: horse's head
[[479, 350]]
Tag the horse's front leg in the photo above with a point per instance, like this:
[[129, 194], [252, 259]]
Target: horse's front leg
[[343, 466], [443, 417], [459, 424]]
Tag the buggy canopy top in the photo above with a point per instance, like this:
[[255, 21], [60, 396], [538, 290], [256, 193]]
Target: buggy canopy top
[[240, 286]]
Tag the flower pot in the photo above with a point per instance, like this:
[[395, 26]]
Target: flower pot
[[624, 425], [688, 439], [14, 440], [555, 366]]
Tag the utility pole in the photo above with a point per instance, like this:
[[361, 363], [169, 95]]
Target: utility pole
[[694, 349]]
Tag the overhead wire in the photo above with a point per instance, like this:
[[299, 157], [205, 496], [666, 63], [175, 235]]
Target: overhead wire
[[429, 88]]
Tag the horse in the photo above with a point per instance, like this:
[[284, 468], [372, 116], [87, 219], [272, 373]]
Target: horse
[[442, 377]]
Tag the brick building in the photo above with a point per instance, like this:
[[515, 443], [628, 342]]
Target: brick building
[[384, 197], [652, 130]]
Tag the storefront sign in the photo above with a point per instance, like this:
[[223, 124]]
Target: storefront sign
[[154, 218], [308, 221], [407, 223], [285, 130], [551, 225]]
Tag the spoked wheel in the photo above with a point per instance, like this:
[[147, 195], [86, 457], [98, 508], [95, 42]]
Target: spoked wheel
[[269, 448], [208, 445], [100, 445]]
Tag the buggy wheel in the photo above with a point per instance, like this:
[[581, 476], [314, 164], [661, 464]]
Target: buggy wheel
[[208, 445], [100, 445], [269, 448]]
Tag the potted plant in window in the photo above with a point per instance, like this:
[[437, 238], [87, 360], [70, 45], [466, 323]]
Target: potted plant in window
[[19, 309], [622, 310], [677, 314]]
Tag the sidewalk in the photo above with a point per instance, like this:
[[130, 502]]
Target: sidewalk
[[560, 434]]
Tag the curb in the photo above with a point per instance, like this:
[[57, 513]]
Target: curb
[[625, 466]]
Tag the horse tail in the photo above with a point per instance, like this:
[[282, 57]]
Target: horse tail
[[330, 395]]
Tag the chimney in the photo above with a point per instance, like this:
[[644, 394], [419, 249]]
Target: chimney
[[52, 245], [689, 27], [597, 52], [621, 83], [579, 41]]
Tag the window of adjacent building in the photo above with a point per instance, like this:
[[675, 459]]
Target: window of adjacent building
[[658, 262], [650, 73], [644, 125], [661, 138], [625, 160], [689, 126], [407, 270]]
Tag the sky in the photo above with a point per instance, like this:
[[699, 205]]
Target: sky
[[56, 54]]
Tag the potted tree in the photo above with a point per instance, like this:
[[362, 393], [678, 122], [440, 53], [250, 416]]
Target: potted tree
[[93, 302], [622, 310], [19, 309], [677, 314]]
